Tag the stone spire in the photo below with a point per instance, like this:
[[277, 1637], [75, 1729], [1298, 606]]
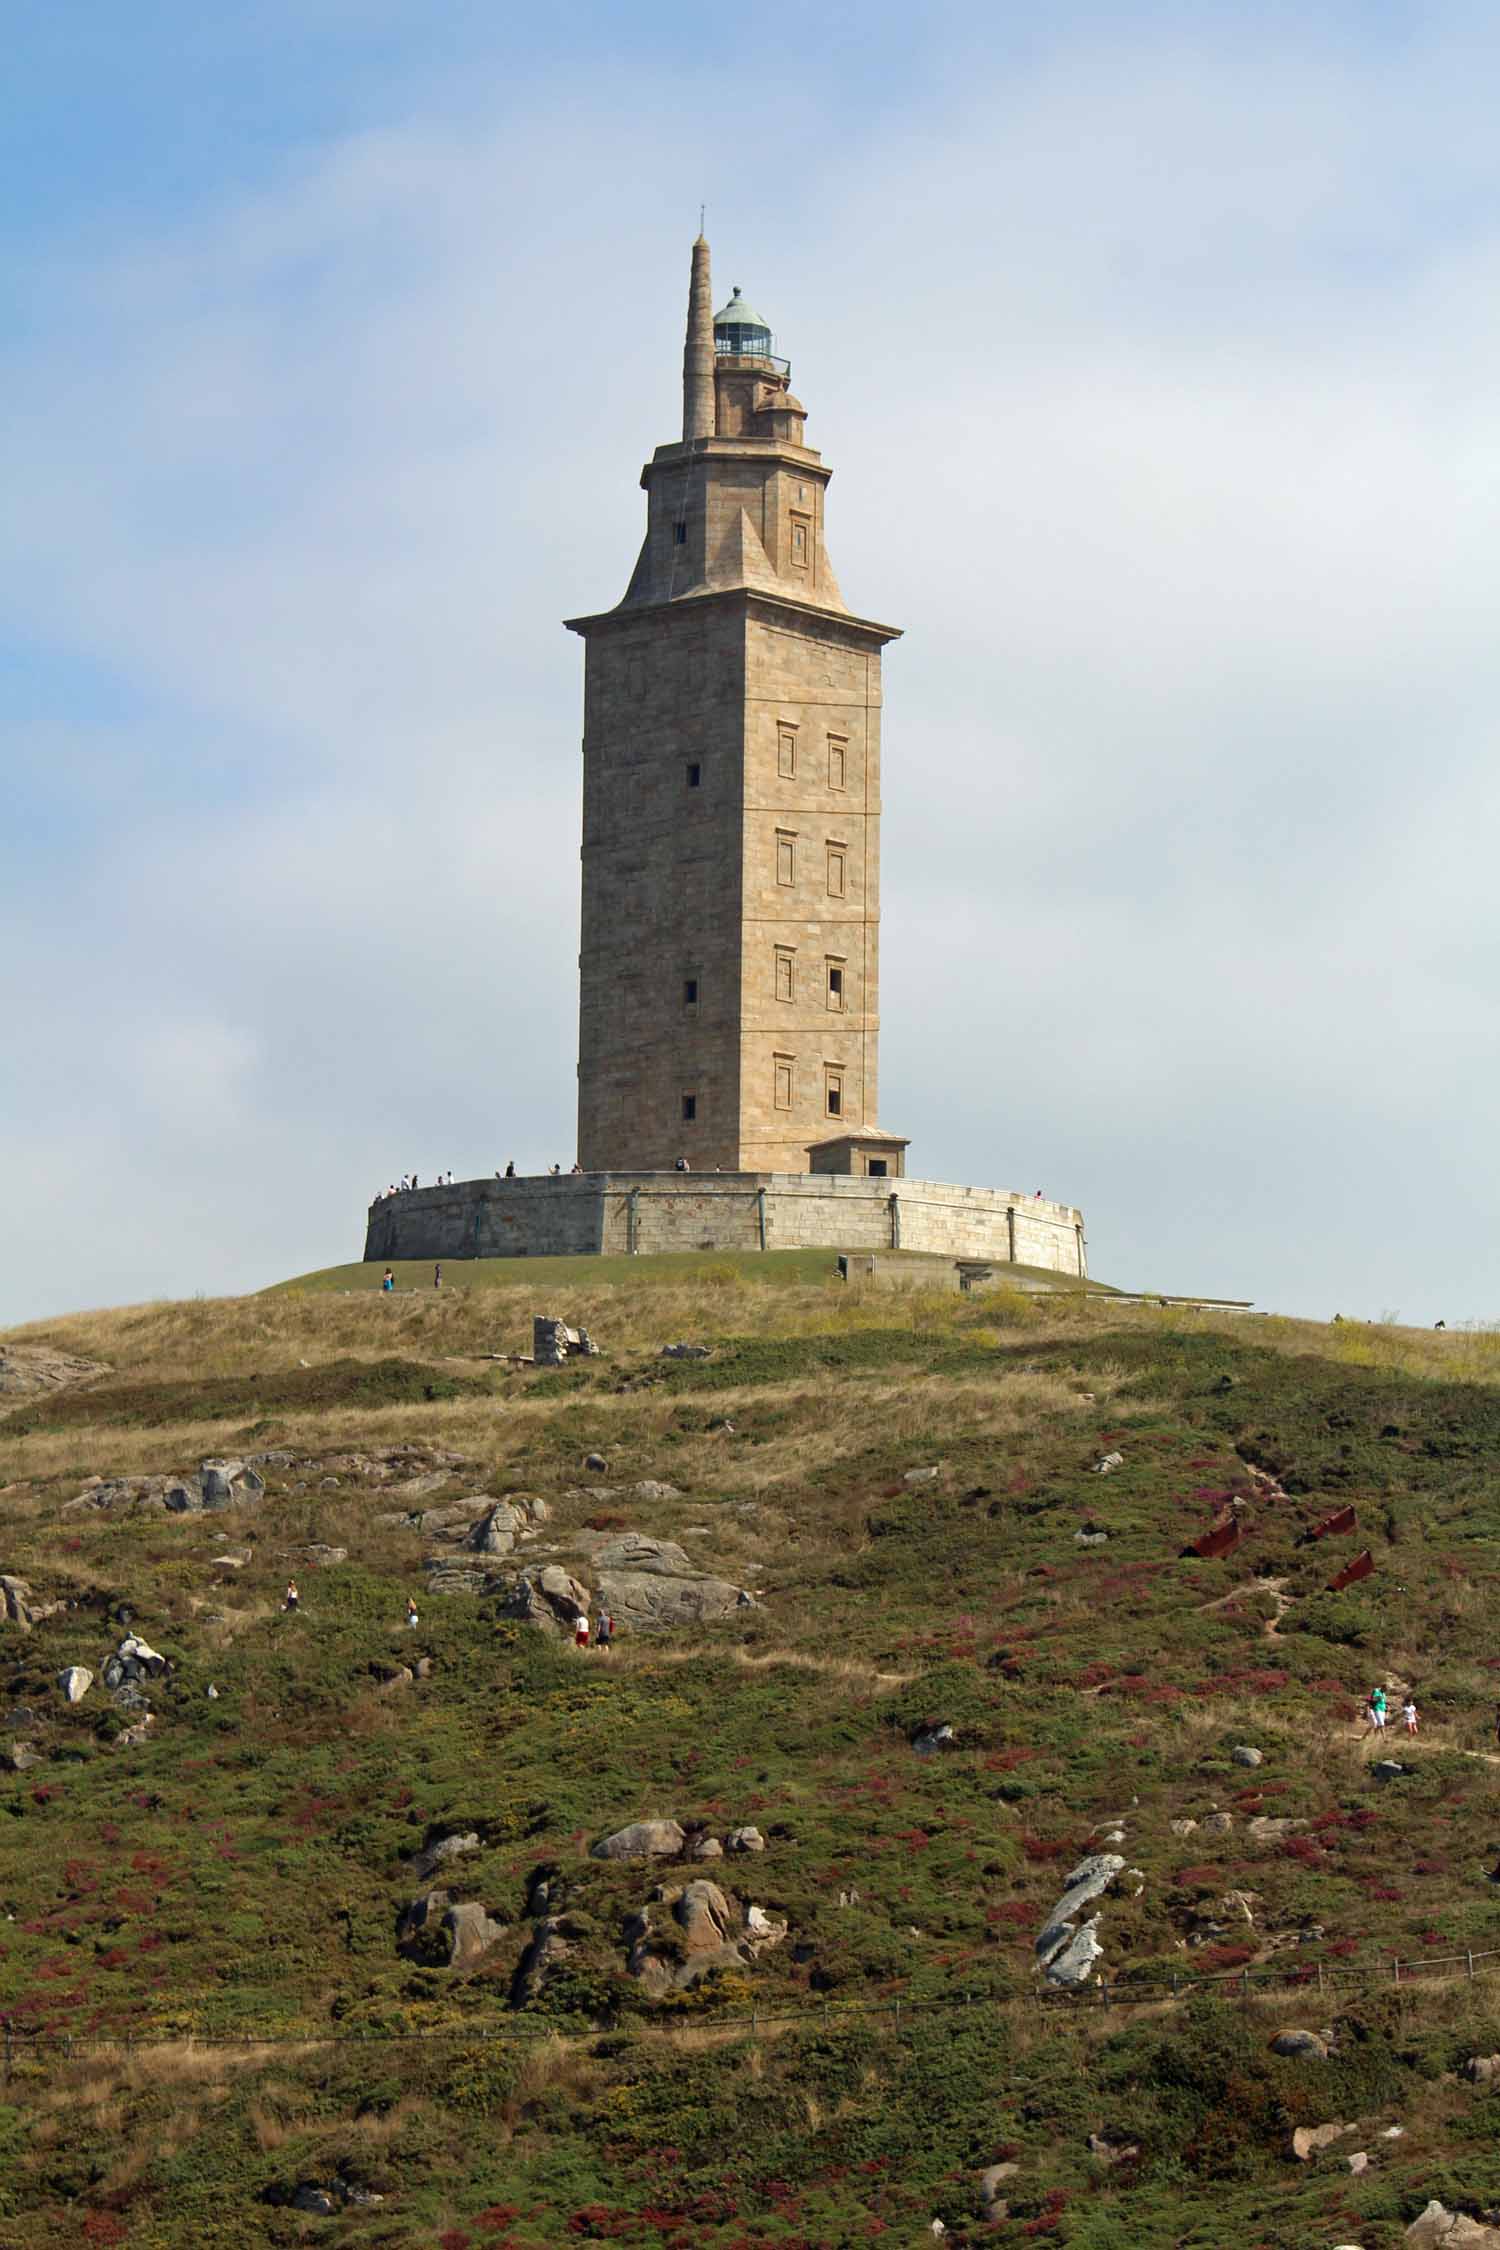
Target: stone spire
[[698, 420]]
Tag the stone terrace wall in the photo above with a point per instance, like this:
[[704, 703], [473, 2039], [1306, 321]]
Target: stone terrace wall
[[621, 1212]]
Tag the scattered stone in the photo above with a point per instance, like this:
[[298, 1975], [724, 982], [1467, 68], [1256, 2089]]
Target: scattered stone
[[1110, 2148], [553, 1342], [1268, 1831], [1244, 1755], [1109, 1464], [1090, 1538], [1388, 1769], [423, 1668], [1482, 2070], [643, 1839], [1301, 2046], [232, 1562], [437, 1854], [75, 1680], [19, 1757], [745, 1840], [708, 1933], [707, 1847], [217, 1484], [1309, 2140], [549, 1596], [1438, 2228], [685, 1351], [1217, 1823], [931, 1740], [320, 1557], [1358, 2161], [848, 1898], [134, 1660], [597, 1462], [19, 1605], [228, 1484], [915, 1477], [992, 2179], [319, 2201], [131, 1738], [447, 1577], [1183, 1827], [434, 1929]]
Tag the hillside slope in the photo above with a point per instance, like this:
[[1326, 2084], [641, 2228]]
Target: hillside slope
[[815, 2011]]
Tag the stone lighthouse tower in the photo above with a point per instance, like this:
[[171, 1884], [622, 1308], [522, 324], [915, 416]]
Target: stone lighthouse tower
[[731, 798]]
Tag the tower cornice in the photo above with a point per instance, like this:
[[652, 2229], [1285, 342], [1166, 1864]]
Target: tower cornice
[[754, 600]]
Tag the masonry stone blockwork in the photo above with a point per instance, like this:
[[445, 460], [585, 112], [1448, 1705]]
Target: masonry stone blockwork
[[624, 1212]]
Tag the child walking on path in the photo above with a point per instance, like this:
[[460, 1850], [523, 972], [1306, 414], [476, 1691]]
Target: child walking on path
[[291, 1593], [581, 1632], [1409, 1716]]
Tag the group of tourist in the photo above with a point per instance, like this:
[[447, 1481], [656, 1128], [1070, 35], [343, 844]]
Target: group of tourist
[[600, 1635], [408, 1181], [1377, 1712]]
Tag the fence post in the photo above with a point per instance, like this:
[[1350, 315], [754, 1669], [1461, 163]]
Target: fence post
[[1470, 1958], [1245, 1987], [898, 2015], [754, 2019], [1396, 1967]]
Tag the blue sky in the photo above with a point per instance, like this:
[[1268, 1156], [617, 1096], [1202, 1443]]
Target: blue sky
[[1155, 353]]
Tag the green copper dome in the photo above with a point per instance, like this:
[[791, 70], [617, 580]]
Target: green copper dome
[[740, 322]]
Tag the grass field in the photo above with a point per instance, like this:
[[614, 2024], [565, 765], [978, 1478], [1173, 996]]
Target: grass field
[[243, 1867], [535, 1276]]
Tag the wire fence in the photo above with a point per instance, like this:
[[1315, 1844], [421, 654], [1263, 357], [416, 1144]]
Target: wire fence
[[1324, 1980]]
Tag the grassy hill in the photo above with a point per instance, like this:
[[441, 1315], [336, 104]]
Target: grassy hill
[[227, 2023]]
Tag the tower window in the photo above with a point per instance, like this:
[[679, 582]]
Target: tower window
[[833, 1092], [679, 534], [690, 992], [694, 774], [838, 763], [801, 544], [786, 972], [835, 985], [836, 870], [689, 1108], [783, 1081], [786, 752], [875, 1168], [786, 857]]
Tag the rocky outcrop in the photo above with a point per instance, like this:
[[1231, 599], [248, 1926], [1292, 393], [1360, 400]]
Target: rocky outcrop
[[1300, 2046], [686, 1932], [446, 1933], [133, 1661], [549, 1596], [1441, 2229], [26, 1369], [216, 1484], [19, 1605], [643, 1839], [1066, 1949], [75, 1680]]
